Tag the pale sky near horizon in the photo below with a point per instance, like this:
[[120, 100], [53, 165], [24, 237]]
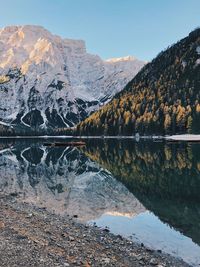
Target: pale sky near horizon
[[111, 28]]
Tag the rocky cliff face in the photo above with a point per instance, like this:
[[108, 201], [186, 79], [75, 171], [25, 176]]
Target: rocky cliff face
[[46, 81]]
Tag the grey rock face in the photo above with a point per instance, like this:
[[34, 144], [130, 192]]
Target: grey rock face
[[46, 81]]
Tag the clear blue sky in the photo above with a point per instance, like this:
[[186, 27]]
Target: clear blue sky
[[111, 28]]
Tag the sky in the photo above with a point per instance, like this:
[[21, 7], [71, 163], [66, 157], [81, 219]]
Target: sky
[[110, 28]]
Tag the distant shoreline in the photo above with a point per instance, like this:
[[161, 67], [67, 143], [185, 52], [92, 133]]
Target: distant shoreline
[[178, 137]]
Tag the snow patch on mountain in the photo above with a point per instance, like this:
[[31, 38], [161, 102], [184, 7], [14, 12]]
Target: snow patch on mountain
[[198, 50]]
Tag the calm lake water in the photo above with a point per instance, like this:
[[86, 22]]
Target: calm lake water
[[146, 191]]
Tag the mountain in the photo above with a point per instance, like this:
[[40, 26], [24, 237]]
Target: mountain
[[48, 82], [163, 98]]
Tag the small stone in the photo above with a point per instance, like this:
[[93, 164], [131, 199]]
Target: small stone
[[71, 238], [119, 236], [153, 261], [2, 225], [14, 194], [106, 260], [21, 237], [64, 235]]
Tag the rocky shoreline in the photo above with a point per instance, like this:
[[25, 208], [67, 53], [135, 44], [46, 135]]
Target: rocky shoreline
[[32, 236]]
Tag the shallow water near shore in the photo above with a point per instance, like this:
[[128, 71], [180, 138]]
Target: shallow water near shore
[[147, 191]]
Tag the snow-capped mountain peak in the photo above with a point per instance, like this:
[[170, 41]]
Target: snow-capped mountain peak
[[55, 78], [121, 59]]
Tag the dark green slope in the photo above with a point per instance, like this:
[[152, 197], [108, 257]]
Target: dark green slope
[[163, 98]]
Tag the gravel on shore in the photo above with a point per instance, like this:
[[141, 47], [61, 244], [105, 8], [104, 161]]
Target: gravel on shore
[[32, 236]]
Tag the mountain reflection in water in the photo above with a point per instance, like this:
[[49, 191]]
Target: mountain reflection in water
[[64, 180]]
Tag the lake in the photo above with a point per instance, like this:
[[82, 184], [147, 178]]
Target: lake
[[148, 191]]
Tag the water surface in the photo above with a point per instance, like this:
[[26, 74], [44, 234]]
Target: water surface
[[147, 191]]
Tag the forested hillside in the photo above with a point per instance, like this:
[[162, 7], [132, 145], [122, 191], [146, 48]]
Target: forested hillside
[[163, 98]]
